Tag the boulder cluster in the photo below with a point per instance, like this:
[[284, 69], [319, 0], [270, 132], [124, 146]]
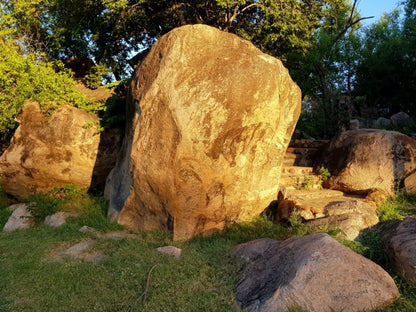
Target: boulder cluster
[[209, 120]]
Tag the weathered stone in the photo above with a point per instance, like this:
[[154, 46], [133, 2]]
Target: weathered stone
[[399, 239], [20, 219], [354, 124], [382, 122], [401, 120], [314, 273], [170, 251], [367, 159], [59, 218], [351, 217], [209, 121], [62, 149]]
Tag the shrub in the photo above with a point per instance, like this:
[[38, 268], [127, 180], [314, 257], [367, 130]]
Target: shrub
[[95, 76], [25, 76]]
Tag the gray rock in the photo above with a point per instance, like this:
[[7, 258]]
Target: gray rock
[[401, 120], [58, 219], [87, 229], [354, 124], [399, 239], [314, 273], [382, 123], [170, 251], [351, 217], [20, 219]]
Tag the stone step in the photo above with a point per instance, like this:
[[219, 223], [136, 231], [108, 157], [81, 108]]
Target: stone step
[[312, 203], [300, 181], [296, 170]]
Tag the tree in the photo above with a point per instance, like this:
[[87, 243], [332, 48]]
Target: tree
[[386, 73], [327, 70], [109, 30]]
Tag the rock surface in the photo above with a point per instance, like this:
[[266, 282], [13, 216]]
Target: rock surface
[[47, 152], [170, 251], [59, 218], [367, 159], [351, 217], [401, 120], [399, 239], [20, 219], [314, 273], [209, 121]]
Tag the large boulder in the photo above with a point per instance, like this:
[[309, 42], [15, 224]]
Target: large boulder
[[209, 121], [314, 273], [56, 150], [399, 240], [367, 159]]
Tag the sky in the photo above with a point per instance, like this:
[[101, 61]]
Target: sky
[[376, 8]]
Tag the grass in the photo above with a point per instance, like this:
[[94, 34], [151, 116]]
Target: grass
[[202, 279]]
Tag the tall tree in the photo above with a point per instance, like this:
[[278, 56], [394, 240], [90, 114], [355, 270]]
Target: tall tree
[[109, 30], [386, 73]]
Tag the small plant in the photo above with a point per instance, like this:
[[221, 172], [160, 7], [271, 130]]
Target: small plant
[[307, 183], [325, 174], [95, 76]]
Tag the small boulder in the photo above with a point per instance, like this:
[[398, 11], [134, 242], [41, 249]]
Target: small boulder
[[20, 219], [351, 217], [382, 123], [314, 273], [170, 251], [366, 159], [402, 120], [354, 124], [58, 219], [399, 240]]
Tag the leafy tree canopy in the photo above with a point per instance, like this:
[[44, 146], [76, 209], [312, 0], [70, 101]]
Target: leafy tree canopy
[[109, 30]]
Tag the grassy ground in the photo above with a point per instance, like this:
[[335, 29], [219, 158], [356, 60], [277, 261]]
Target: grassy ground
[[202, 280]]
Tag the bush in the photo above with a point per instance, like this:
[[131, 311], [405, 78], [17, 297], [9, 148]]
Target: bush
[[95, 76], [25, 76]]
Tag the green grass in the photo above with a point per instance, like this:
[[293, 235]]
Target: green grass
[[203, 279], [397, 207]]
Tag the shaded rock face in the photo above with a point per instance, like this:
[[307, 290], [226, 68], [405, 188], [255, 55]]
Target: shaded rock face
[[399, 239], [314, 273], [47, 152], [210, 118], [367, 159], [351, 217]]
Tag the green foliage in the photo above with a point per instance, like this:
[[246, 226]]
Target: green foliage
[[95, 76], [397, 207], [71, 199], [387, 62], [27, 76], [307, 183], [4, 203]]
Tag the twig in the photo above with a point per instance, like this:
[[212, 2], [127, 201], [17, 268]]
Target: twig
[[146, 290]]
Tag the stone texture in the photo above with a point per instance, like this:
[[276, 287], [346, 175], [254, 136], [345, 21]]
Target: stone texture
[[351, 217], [209, 121], [170, 251], [399, 239], [314, 273], [59, 218], [401, 120], [366, 159], [47, 152], [20, 219], [382, 122]]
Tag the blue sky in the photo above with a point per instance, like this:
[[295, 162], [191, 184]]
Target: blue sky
[[376, 8]]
